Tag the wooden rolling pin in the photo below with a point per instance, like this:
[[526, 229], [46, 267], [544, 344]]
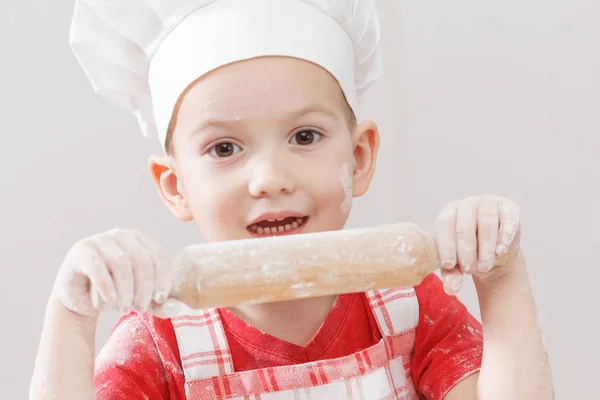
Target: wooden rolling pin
[[226, 274]]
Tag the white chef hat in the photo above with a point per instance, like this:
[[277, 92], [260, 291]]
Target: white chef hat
[[142, 54]]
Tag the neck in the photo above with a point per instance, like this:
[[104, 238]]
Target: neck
[[295, 321]]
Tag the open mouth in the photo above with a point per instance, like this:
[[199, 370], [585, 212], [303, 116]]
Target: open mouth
[[280, 226]]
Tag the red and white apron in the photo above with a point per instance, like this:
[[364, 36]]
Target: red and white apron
[[379, 372]]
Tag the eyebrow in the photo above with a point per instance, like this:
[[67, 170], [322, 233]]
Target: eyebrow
[[313, 109], [228, 122]]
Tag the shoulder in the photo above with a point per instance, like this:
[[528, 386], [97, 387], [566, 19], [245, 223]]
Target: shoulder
[[431, 283], [136, 334], [448, 343], [433, 299], [129, 339], [439, 310], [141, 350]]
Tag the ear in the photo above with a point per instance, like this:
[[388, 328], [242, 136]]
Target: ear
[[366, 146], [162, 170]]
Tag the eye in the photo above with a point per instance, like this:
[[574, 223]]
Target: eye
[[224, 149], [305, 137]]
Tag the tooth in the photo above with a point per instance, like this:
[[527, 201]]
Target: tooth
[[280, 228], [267, 230], [253, 228], [288, 227], [260, 230], [280, 219], [299, 221], [294, 224], [271, 220]]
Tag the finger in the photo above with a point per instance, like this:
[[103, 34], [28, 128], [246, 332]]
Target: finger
[[509, 225], [466, 235], [170, 308], [163, 269], [121, 269], [100, 279], [487, 233], [445, 236], [97, 301], [143, 270], [453, 279]]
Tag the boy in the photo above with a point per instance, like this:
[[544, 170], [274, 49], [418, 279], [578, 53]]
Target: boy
[[254, 102]]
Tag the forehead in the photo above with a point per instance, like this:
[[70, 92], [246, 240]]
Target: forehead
[[263, 86]]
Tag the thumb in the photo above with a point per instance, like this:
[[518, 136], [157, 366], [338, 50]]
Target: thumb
[[170, 309], [453, 279]]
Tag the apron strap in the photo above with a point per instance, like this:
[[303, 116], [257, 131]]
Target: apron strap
[[202, 345], [396, 310]]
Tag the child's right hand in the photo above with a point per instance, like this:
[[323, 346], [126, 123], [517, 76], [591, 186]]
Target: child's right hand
[[120, 268]]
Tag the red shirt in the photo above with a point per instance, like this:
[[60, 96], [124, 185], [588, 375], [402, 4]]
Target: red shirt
[[141, 358]]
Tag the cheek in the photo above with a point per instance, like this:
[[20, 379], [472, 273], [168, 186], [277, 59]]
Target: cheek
[[210, 198], [329, 182]]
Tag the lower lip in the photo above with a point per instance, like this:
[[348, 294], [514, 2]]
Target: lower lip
[[294, 231]]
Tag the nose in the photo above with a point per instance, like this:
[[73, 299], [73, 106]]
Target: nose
[[271, 177]]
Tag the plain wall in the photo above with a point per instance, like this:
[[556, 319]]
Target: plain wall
[[477, 98]]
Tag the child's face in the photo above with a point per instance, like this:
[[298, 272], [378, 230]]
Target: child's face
[[261, 140]]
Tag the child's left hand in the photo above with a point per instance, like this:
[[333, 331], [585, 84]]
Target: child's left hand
[[471, 234]]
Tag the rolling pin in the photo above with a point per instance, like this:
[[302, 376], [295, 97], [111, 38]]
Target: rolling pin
[[279, 268]]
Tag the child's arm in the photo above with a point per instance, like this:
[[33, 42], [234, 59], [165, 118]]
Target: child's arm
[[64, 367], [515, 365], [120, 268]]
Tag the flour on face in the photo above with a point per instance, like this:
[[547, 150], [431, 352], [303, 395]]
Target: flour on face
[[347, 186]]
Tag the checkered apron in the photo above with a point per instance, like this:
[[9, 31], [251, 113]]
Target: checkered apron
[[379, 372]]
